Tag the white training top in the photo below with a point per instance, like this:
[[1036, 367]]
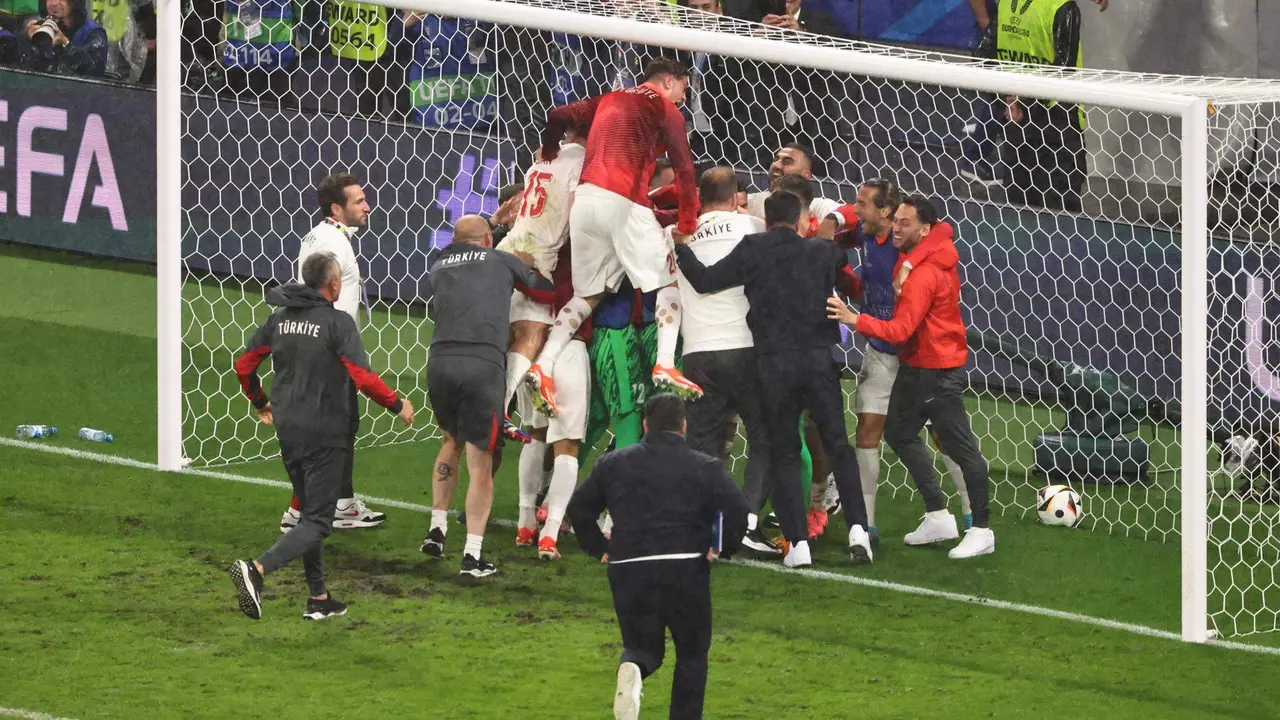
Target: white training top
[[819, 208], [542, 226], [716, 321], [333, 237]]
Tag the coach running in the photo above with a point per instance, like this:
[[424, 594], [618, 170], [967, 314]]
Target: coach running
[[471, 287], [317, 356], [664, 499], [787, 279]]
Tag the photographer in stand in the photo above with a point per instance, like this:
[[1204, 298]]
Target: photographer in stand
[[64, 41]]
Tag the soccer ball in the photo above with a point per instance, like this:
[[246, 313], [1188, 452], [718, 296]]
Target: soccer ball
[[1059, 505]]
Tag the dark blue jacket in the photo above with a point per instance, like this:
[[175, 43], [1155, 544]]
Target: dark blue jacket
[[85, 53]]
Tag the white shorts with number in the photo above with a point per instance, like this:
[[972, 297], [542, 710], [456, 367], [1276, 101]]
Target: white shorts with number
[[875, 382], [524, 308], [613, 237], [572, 376]]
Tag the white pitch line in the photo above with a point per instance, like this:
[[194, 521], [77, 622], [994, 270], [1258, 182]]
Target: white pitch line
[[755, 564], [27, 714]]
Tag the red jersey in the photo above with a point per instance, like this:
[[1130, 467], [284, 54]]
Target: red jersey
[[629, 130]]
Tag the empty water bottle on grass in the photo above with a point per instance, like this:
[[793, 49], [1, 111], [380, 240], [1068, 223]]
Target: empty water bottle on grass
[[95, 435], [35, 432]]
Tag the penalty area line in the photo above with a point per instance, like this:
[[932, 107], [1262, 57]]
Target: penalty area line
[[822, 575]]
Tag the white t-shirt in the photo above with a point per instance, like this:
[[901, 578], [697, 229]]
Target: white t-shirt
[[335, 238], [542, 226], [716, 321], [819, 208]]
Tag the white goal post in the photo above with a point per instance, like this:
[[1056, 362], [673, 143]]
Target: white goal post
[[1178, 125]]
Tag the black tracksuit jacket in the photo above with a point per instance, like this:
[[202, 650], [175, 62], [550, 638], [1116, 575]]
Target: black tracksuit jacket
[[663, 497], [319, 362]]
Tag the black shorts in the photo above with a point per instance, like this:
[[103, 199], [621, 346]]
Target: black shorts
[[466, 395]]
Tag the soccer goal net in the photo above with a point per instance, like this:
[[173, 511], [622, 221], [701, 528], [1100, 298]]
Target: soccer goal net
[[1083, 202]]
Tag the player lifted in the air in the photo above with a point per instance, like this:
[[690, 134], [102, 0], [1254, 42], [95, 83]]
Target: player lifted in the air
[[540, 230], [612, 230]]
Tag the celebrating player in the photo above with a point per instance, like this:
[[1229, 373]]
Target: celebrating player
[[791, 159], [564, 433], [612, 228], [927, 326], [540, 230], [345, 210]]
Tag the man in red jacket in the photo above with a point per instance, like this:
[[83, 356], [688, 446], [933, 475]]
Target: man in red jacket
[[930, 335]]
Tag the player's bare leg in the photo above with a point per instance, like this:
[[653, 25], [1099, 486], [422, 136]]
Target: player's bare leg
[[665, 374], [480, 463], [444, 478], [568, 320]]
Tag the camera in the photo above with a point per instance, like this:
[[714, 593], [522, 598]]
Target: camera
[[46, 31]]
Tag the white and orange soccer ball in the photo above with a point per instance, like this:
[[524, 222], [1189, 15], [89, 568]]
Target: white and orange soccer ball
[[1059, 505]]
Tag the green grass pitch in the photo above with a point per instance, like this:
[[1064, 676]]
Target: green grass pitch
[[116, 603]]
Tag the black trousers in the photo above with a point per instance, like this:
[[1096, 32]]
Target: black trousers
[[920, 394], [1047, 168], [653, 597], [730, 384], [794, 381], [317, 475]]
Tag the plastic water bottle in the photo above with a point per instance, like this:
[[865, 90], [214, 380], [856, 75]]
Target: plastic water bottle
[[95, 435], [35, 432]]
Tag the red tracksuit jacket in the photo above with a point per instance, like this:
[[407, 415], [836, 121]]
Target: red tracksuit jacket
[[926, 325]]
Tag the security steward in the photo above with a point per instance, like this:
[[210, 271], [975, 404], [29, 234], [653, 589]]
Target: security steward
[[674, 512]]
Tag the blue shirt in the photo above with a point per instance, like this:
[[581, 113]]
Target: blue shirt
[[876, 260]]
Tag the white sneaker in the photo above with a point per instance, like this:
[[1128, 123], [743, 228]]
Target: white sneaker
[[977, 541], [626, 700], [798, 556], [352, 513], [831, 500], [936, 527], [859, 545], [290, 520]]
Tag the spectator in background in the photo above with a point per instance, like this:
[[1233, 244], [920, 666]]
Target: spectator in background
[[13, 14], [715, 105], [978, 144], [259, 52], [70, 45], [1046, 138], [663, 174], [370, 42]]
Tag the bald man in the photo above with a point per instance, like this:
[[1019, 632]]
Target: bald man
[[471, 286]]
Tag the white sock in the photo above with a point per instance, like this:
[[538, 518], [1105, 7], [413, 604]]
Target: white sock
[[818, 491], [472, 547], [752, 519], [957, 476], [531, 456], [667, 312], [440, 520], [564, 478], [568, 321], [517, 366], [869, 474]]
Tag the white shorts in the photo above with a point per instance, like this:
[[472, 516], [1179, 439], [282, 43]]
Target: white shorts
[[613, 237], [572, 376], [875, 382], [524, 308]]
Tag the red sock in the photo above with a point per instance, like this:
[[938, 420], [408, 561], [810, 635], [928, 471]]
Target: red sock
[[295, 503]]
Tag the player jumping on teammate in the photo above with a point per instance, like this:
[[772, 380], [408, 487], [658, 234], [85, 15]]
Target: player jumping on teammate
[[612, 229]]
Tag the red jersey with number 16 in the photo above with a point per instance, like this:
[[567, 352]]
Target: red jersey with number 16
[[629, 130]]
